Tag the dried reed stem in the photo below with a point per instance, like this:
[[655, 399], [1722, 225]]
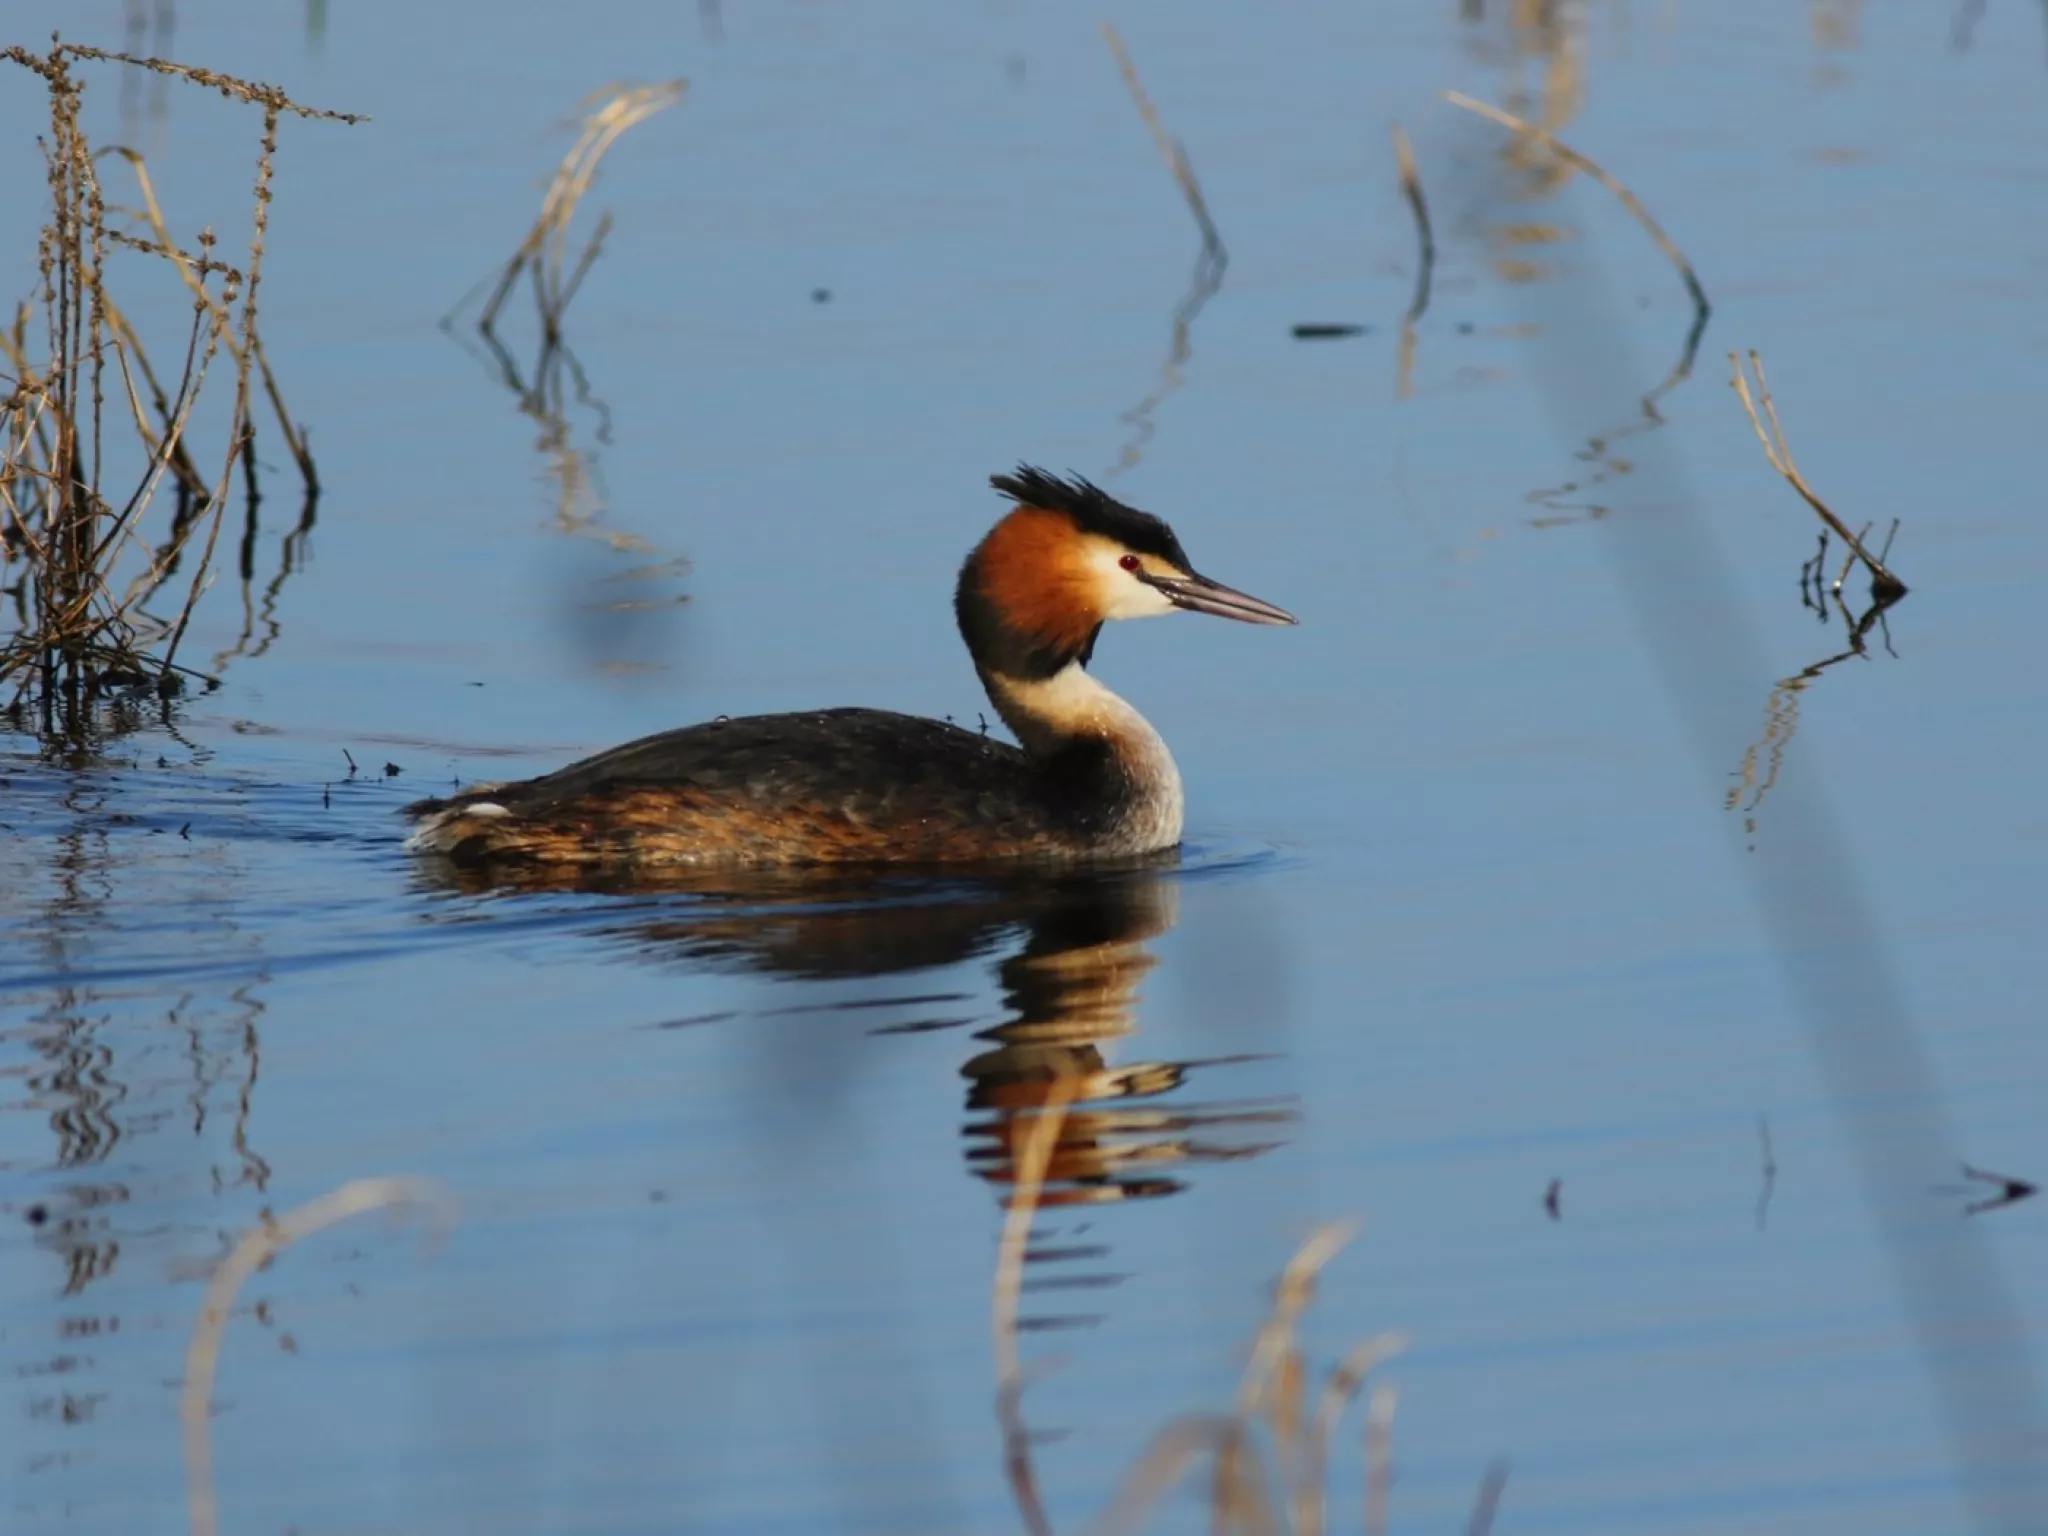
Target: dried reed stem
[[1883, 584], [1627, 198], [1271, 1390], [1339, 1392], [177, 455], [1379, 1458], [228, 85], [1488, 1502], [1425, 237], [1008, 1289], [255, 1250], [1023, 1208], [543, 253], [1211, 263], [1172, 1451], [1291, 1297], [1274, 1367], [72, 631], [242, 443], [1170, 148], [196, 270]]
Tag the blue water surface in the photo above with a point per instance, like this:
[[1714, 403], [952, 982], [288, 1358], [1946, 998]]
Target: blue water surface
[[1478, 899]]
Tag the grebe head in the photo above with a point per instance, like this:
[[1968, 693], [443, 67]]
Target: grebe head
[[1067, 559]]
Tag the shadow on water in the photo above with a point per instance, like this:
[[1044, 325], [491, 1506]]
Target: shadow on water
[[1805, 886]]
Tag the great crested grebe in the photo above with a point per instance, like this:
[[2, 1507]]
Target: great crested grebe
[[1090, 781]]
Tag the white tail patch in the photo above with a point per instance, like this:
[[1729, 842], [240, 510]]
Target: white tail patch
[[443, 830]]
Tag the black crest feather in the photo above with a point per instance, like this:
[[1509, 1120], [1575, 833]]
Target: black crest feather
[[1093, 510]]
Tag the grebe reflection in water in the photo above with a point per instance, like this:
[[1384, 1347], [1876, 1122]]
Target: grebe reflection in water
[[1071, 952]]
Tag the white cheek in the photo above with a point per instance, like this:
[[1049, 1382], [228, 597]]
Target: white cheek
[[1122, 595], [1137, 601]]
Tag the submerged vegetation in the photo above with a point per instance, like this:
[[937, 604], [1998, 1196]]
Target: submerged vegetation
[[102, 585]]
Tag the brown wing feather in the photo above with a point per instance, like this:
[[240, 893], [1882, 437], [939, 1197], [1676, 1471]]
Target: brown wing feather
[[824, 786]]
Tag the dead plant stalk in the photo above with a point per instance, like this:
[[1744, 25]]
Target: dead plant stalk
[[1425, 265], [1761, 409], [1269, 1406], [543, 253], [1039, 1144], [1593, 169], [1212, 261], [1170, 149], [253, 1252], [62, 518]]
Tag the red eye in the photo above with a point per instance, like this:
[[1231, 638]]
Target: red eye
[[1130, 562]]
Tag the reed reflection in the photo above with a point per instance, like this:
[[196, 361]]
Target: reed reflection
[[128, 1095], [621, 630], [1765, 758], [1535, 167], [87, 1044], [1062, 1115], [1212, 261], [1071, 991]]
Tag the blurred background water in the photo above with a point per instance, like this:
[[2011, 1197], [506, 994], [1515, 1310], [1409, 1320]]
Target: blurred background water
[[1460, 916]]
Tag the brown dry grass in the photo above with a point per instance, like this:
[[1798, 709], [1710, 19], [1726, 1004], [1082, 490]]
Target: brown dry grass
[[1271, 1427], [609, 113], [1212, 261], [1540, 136], [83, 571], [1425, 263], [1268, 1459]]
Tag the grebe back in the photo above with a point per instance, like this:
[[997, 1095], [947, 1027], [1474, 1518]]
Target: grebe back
[[1090, 779]]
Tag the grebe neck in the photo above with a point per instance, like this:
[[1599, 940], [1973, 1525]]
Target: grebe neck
[[1081, 732]]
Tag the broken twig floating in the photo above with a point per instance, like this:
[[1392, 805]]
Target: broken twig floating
[[1884, 586], [2011, 1191]]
